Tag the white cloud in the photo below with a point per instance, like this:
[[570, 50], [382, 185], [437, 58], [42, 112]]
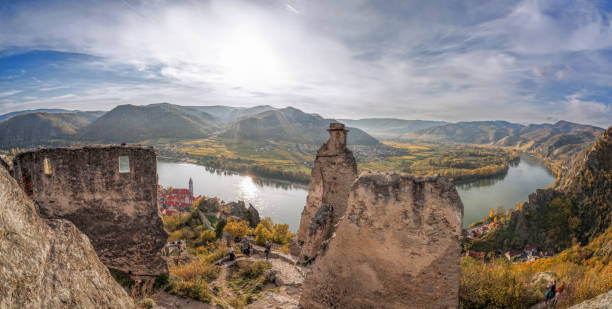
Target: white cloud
[[291, 9], [577, 109], [336, 58], [529, 29], [9, 93]]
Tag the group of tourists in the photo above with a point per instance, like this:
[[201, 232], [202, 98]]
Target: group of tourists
[[552, 292], [179, 244], [245, 247]]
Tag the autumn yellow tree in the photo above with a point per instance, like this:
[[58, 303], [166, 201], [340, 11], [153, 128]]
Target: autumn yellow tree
[[237, 228], [262, 234]]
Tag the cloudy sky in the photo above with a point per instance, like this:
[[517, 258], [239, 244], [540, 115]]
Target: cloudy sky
[[522, 61]]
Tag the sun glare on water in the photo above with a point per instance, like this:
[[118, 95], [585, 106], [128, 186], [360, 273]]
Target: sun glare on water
[[248, 189]]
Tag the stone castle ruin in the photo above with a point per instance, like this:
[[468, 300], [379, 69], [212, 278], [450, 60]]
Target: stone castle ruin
[[108, 192], [378, 241], [333, 173]]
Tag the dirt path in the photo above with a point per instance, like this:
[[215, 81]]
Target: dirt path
[[289, 278], [224, 290], [169, 301]]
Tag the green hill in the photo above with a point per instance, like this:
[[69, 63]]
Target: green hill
[[559, 141], [34, 129], [130, 123], [292, 125], [390, 128], [473, 132], [91, 115], [229, 114]]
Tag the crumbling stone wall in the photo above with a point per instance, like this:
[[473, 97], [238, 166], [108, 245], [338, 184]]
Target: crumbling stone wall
[[333, 173], [398, 246], [117, 211]]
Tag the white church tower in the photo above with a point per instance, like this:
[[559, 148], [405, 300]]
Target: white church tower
[[190, 186]]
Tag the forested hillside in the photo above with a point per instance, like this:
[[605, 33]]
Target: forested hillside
[[290, 124], [390, 128], [130, 123], [30, 130]]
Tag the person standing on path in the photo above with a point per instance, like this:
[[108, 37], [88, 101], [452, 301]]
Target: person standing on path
[[232, 255], [552, 290], [268, 247]]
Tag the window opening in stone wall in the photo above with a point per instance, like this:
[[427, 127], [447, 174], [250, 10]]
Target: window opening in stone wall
[[124, 164], [47, 166]]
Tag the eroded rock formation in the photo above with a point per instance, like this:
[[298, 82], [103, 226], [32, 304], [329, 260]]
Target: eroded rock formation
[[109, 193], [239, 210], [333, 173], [48, 263], [398, 246], [6, 163]]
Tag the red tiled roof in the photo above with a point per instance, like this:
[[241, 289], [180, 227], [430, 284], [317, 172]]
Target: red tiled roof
[[180, 192]]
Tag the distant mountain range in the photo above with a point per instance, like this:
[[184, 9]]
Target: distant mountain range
[[130, 123], [290, 124], [228, 114], [390, 128], [473, 132], [91, 115], [559, 141]]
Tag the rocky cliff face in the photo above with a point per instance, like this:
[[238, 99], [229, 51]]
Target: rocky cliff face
[[6, 163], [527, 222], [48, 263], [397, 247], [334, 171], [596, 159], [109, 193]]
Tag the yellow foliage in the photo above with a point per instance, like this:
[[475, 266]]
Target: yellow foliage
[[237, 228], [173, 222], [493, 285], [281, 234], [262, 234], [285, 249], [266, 230], [196, 270], [182, 234], [585, 271], [191, 279], [197, 289], [208, 235]]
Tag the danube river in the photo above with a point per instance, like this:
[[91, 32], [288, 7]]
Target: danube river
[[283, 201]]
